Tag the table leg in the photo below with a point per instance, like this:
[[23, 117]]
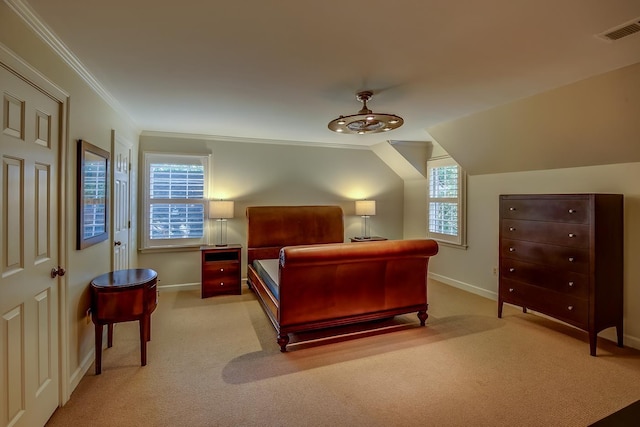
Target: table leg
[[143, 340], [98, 363], [110, 335]]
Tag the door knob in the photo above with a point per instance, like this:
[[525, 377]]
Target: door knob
[[117, 243], [57, 272]]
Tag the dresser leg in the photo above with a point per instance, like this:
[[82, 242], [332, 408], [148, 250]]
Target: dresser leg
[[593, 338], [500, 308], [98, 363]]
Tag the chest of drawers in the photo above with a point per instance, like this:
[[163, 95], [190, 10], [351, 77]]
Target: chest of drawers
[[562, 255]]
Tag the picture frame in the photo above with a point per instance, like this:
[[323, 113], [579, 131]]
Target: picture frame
[[92, 194]]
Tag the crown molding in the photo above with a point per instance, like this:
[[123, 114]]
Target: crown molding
[[204, 137], [29, 16]]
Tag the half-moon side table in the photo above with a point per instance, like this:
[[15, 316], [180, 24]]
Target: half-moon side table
[[123, 296]]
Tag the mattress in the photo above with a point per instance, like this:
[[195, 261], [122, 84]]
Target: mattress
[[267, 269]]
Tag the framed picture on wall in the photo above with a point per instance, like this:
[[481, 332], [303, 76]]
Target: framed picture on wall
[[93, 195]]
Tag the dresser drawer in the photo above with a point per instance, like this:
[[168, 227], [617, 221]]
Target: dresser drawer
[[568, 282], [563, 307], [572, 210], [553, 256], [555, 233]]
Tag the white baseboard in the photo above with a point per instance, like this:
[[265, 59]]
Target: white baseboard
[[629, 341], [464, 286], [81, 371], [180, 287], [185, 286]]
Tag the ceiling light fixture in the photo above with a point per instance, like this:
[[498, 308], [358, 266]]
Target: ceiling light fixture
[[366, 121]]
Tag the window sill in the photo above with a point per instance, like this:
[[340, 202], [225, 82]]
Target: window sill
[[159, 249]]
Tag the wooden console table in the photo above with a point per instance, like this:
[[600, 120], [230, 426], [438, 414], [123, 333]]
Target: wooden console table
[[123, 296]]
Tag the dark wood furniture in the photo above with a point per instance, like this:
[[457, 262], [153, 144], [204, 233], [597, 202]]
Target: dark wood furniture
[[323, 282], [562, 255], [367, 239], [123, 296], [221, 270]]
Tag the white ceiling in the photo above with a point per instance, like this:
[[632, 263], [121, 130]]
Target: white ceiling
[[282, 69]]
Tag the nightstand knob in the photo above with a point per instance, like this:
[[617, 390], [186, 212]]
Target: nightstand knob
[[512, 209], [572, 235], [512, 229], [572, 211], [511, 270], [571, 284], [222, 269], [221, 283], [570, 308], [571, 259], [510, 289], [512, 249]]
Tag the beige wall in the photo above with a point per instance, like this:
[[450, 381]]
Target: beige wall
[[254, 174], [90, 118]]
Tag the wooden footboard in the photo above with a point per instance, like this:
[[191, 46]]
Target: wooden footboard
[[327, 283]]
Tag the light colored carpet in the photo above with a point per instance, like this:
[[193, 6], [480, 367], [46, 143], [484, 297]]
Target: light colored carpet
[[215, 362]]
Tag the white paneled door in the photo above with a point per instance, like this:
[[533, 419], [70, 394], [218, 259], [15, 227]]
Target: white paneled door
[[121, 203], [29, 329]]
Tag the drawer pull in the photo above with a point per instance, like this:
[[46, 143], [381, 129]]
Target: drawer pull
[[222, 269], [512, 209], [571, 259], [572, 211], [512, 229], [570, 308], [511, 270], [512, 249], [572, 235], [221, 283], [571, 284], [510, 289]]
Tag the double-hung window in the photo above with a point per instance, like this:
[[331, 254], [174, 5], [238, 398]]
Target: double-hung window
[[446, 201], [175, 189]]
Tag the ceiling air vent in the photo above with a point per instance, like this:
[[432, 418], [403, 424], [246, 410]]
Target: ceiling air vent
[[621, 31]]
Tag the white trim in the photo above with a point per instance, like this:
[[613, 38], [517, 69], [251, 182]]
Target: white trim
[[465, 286], [177, 135], [609, 334], [31, 18]]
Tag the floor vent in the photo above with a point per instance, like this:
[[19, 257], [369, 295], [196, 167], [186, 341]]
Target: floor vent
[[621, 31]]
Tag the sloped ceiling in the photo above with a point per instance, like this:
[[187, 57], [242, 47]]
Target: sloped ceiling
[[281, 70], [593, 122]]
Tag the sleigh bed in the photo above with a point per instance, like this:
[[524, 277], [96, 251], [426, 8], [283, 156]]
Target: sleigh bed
[[307, 278]]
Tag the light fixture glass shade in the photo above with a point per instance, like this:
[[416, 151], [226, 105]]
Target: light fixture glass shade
[[366, 121], [365, 207], [220, 209]]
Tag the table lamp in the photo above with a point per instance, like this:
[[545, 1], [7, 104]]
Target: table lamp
[[220, 210], [366, 209]]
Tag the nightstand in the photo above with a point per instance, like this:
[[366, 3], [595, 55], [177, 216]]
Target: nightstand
[[367, 239], [221, 270]]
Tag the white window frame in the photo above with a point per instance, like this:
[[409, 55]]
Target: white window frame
[[149, 158], [459, 240]]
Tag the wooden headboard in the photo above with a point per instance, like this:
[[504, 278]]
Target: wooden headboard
[[270, 228]]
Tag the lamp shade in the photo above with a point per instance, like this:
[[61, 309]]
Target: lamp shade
[[221, 209], [365, 207]]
